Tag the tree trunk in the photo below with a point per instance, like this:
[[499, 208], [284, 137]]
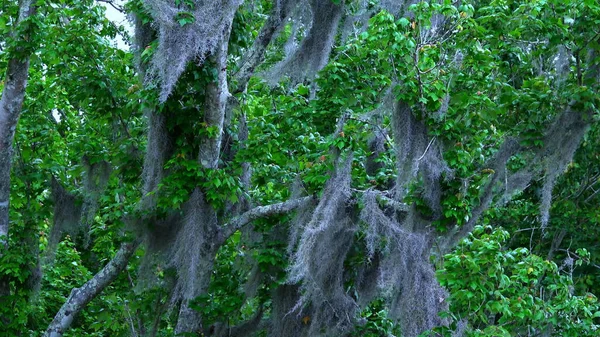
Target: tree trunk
[[80, 297], [189, 320], [11, 105]]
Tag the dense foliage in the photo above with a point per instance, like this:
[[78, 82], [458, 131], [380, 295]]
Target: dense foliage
[[300, 168]]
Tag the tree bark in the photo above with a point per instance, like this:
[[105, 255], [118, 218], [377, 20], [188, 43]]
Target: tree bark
[[80, 297], [190, 320]]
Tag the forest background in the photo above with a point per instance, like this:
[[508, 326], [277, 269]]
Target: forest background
[[300, 168]]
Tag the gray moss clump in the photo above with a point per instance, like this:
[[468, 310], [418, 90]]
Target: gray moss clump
[[417, 154], [186, 34], [67, 214], [303, 62], [318, 258], [560, 144]]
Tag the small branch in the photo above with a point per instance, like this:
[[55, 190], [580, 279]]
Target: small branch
[[113, 5], [261, 212], [592, 195], [130, 320], [137, 312], [569, 253], [378, 127], [427, 149]]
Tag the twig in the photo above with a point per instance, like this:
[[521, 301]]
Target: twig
[[427, 149], [579, 257], [113, 5]]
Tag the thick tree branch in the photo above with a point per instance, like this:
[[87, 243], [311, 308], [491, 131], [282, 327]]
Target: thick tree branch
[[11, 105], [217, 94], [261, 212], [80, 297]]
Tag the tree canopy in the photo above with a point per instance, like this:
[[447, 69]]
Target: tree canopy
[[295, 168]]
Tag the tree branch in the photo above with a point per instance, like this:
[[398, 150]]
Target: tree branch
[[256, 54], [80, 297], [261, 212], [509, 148], [113, 5]]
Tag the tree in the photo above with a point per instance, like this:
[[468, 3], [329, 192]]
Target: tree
[[320, 155]]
